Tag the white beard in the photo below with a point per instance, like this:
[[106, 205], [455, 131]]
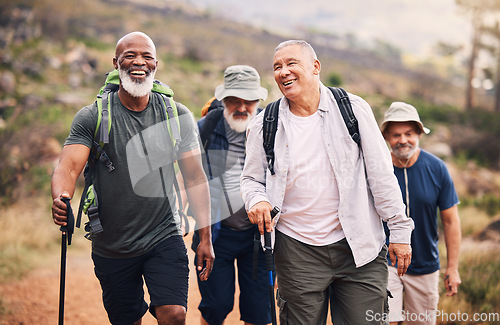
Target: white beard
[[136, 88], [237, 124], [405, 154]]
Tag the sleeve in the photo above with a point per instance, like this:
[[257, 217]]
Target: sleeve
[[189, 130], [83, 126], [253, 178], [382, 182], [447, 195]]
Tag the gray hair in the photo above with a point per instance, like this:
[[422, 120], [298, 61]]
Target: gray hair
[[303, 44]]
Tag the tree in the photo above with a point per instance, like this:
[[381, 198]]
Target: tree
[[476, 13], [494, 50], [479, 11]]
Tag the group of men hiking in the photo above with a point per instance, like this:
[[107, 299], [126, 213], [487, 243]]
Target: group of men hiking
[[349, 207]]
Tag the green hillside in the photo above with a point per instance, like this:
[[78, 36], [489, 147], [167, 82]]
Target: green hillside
[[54, 56]]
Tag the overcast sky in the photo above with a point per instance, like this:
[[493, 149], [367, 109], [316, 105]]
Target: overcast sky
[[415, 26]]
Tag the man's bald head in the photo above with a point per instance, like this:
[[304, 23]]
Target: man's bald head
[[135, 60], [130, 38]]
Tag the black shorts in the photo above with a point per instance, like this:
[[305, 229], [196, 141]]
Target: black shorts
[[165, 270]]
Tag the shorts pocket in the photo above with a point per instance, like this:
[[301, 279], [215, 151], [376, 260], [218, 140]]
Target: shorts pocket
[[283, 308]]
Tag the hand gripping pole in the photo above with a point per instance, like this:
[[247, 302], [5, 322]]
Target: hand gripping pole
[[268, 251], [67, 233]]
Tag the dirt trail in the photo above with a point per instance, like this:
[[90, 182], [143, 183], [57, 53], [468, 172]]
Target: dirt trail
[[34, 300]]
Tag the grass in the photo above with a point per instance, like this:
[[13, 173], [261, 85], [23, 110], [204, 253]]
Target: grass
[[28, 236], [30, 240], [473, 220], [479, 293], [479, 268], [26, 233]]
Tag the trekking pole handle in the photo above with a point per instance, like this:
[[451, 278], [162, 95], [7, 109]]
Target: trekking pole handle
[[70, 222], [274, 212], [267, 243]]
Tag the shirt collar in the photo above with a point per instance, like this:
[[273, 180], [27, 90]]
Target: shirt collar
[[324, 100]]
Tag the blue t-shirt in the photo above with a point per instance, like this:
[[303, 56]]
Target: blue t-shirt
[[430, 187]]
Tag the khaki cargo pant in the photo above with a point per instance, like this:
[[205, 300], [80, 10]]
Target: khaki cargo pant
[[309, 276]]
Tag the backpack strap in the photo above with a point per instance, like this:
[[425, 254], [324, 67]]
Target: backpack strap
[[270, 126], [104, 113], [270, 123], [88, 181], [171, 115], [347, 114], [209, 123], [97, 154], [183, 217], [173, 125]]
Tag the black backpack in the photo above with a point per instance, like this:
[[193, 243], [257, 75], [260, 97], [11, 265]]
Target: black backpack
[[271, 123], [211, 120]]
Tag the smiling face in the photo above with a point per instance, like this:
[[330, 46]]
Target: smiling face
[[296, 71], [136, 62], [403, 138]]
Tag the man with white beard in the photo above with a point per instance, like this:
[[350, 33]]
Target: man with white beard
[[141, 238], [426, 185], [222, 132]]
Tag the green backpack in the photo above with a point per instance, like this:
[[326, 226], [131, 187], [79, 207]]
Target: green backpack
[[89, 200]]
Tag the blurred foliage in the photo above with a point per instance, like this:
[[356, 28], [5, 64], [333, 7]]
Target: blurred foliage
[[478, 295], [334, 80], [490, 203], [481, 282]]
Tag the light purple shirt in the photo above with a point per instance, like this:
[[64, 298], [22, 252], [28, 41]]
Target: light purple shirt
[[368, 188]]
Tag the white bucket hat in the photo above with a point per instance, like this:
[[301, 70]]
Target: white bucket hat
[[241, 81], [402, 112]]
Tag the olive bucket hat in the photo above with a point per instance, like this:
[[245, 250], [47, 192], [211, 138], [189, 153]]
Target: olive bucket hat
[[402, 112], [241, 81]]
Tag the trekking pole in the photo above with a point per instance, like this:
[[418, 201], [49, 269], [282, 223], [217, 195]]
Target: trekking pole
[[67, 233], [270, 266]]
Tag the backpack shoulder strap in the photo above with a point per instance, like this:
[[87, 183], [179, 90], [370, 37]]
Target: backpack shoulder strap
[[269, 128], [347, 114], [111, 85], [209, 123], [88, 181], [104, 114], [270, 123], [171, 115]]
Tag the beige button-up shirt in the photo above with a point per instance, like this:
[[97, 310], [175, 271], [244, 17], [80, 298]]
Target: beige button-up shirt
[[368, 188]]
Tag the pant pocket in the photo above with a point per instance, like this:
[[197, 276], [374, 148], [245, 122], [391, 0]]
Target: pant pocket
[[386, 308], [282, 306]]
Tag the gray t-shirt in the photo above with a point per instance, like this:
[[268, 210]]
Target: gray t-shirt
[[135, 199], [234, 166]]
